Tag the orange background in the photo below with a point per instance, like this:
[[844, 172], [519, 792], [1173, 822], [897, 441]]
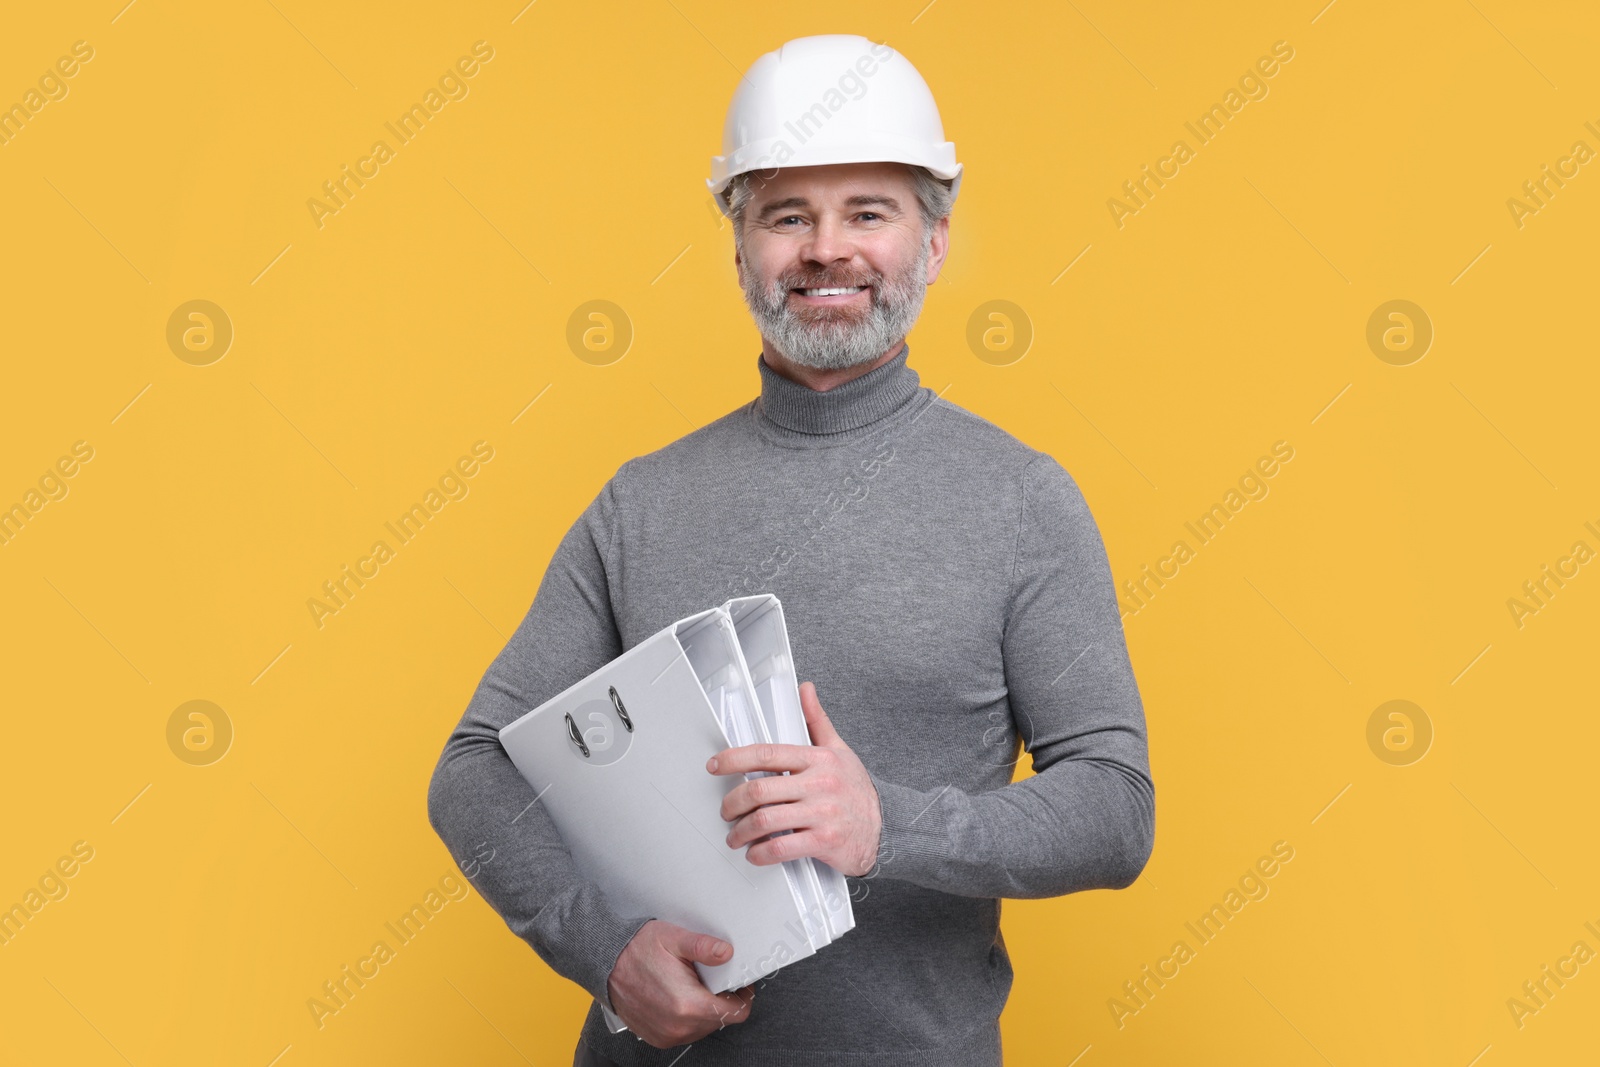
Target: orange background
[[368, 354]]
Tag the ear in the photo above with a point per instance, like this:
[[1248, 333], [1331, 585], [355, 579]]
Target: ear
[[938, 248]]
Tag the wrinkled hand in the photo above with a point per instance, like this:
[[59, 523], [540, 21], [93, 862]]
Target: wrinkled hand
[[655, 989], [827, 798]]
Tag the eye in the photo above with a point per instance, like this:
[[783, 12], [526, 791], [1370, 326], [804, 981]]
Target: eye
[[785, 219], [869, 214]]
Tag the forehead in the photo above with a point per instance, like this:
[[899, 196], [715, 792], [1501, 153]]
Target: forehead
[[833, 183]]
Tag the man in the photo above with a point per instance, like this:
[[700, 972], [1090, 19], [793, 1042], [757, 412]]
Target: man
[[948, 599]]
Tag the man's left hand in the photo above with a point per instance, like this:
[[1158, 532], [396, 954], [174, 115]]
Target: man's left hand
[[827, 798]]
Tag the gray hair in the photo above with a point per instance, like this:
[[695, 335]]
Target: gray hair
[[934, 198]]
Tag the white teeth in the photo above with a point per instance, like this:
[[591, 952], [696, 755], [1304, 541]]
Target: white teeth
[[834, 292]]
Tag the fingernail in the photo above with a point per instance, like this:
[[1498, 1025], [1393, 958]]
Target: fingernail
[[711, 765]]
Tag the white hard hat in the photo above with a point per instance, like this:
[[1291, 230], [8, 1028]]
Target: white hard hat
[[837, 98]]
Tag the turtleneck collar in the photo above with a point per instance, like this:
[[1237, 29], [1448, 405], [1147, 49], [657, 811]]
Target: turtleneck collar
[[859, 402]]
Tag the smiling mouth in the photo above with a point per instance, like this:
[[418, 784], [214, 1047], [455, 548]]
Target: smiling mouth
[[836, 291]]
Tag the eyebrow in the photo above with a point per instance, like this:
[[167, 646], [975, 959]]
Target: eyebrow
[[859, 200]]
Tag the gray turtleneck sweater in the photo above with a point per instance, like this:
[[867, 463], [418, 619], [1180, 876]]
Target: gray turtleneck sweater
[[947, 590]]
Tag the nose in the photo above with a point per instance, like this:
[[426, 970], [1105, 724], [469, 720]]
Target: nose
[[828, 242]]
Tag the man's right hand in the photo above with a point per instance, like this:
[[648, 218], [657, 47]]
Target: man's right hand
[[655, 989]]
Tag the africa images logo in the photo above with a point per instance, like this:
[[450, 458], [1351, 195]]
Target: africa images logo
[[599, 730]]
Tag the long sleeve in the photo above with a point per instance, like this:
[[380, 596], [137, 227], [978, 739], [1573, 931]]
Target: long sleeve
[[484, 809], [1086, 819]]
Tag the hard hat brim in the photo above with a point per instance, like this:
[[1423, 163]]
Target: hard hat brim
[[939, 160]]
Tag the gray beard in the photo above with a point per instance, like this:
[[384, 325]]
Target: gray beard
[[832, 340]]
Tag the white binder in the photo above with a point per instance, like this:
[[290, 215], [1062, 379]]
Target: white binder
[[764, 642], [618, 760]]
